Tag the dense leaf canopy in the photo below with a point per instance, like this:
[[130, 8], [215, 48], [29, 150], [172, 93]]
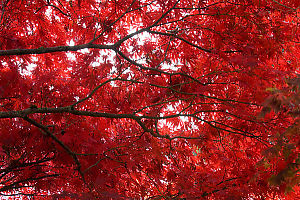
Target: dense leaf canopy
[[140, 99]]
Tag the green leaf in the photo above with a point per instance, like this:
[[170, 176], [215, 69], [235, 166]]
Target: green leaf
[[271, 89]]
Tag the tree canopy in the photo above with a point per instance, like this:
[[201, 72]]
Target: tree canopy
[[149, 99]]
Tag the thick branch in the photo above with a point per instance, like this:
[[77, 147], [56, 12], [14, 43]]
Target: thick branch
[[23, 113], [43, 50]]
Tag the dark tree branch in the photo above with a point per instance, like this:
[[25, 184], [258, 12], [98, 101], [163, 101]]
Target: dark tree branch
[[43, 50], [60, 143]]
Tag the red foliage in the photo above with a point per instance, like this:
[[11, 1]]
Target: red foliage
[[130, 99]]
